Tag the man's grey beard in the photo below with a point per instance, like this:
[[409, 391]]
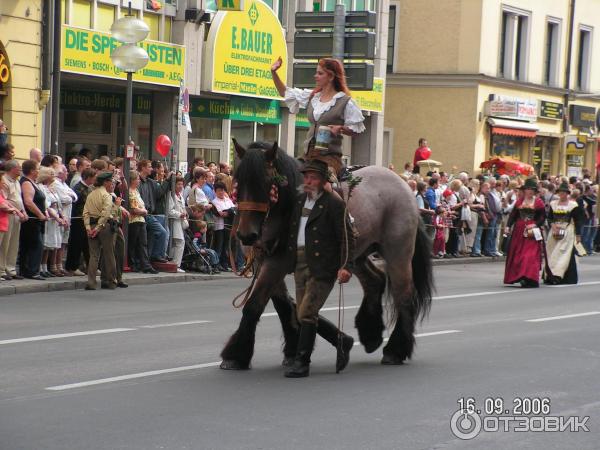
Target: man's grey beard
[[312, 192]]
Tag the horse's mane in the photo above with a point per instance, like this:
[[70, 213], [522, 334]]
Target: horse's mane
[[252, 173]]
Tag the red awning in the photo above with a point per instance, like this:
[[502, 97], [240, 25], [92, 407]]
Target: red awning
[[513, 132]]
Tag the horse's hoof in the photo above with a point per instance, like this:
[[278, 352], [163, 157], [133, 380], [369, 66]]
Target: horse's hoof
[[392, 360], [231, 364], [288, 361], [371, 346]]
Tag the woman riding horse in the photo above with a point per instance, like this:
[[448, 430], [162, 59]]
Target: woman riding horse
[[329, 104]]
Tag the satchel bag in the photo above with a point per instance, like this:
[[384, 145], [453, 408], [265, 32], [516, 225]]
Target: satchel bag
[[559, 230]]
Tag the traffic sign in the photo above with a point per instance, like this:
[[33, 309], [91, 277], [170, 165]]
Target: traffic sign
[[354, 19], [357, 45], [358, 75]]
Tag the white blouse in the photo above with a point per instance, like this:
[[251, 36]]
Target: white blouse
[[296, 98]]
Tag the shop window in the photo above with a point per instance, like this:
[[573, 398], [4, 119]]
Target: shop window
[[210, 5], [552, 52], [300, 137], [105, 17], [153, 22], [72, 149], [81, 14], [267, 132], [514, 45], [391, 38], [140, 133], [506, 146], [207, 153], [584, 63], [203, 128], [243, 132], [95, 122], [542, 155], [167, 31]]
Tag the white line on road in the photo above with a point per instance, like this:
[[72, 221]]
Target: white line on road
[[568, 316], [152, 373], [175, 324], [131, 376], [65, 335]]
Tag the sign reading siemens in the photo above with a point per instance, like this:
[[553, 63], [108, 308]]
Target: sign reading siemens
[[242, 46], [88, 52]]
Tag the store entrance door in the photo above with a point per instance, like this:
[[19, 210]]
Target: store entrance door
[[209, 151]]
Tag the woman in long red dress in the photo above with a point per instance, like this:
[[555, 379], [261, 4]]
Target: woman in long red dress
[[524, 260]]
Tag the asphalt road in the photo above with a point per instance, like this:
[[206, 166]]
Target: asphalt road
[[138, 369]]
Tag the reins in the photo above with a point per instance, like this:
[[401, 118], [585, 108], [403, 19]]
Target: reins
[[251, 261]]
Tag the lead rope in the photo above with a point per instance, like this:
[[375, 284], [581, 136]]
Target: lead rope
[[341, 307]]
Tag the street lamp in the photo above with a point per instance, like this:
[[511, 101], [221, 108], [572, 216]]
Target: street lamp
[[130, 58]]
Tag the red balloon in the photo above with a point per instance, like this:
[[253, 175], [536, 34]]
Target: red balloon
[[426, 153], [163, 145]]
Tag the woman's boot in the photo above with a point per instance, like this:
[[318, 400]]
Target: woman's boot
[[306, 343]]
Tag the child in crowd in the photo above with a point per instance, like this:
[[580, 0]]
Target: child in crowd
[[439, 241], [200, 246]]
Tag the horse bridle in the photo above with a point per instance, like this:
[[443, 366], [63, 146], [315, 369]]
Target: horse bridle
[[262, 207]]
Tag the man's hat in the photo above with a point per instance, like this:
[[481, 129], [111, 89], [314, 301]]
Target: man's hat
[[104, 176], [564, 187], [318, 166], [530, 183]]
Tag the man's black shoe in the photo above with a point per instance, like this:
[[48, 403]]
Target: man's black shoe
[[36, 277], [120, 284], [150, 270], [160, 260]]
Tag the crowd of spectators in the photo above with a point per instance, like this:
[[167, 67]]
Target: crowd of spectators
[[465, 215], [184, 219]]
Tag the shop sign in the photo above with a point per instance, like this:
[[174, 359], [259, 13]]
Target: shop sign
[[582, 116], [575, 145], [302, 119], [370, 100], [4, 66], [103, 101], [551, 110], [241, 47], [88, 52], [237, 108], [230, 5], [512, 107]]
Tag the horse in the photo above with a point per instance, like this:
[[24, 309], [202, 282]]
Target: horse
[[387, 221]]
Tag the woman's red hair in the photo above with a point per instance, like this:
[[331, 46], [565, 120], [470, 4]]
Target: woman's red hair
[[335, 68]]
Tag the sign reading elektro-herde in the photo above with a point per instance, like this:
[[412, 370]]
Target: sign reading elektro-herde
[[241, 47]]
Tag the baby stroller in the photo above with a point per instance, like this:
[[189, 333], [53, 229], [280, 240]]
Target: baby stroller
[[197, 257]]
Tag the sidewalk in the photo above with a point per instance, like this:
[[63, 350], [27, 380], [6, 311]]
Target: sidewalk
[[133, 279], [74, 283]]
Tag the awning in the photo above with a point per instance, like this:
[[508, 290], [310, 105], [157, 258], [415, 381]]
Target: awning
[[513, 128]]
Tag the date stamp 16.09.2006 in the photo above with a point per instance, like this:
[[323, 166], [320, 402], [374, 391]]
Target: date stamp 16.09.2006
[[520, 414]]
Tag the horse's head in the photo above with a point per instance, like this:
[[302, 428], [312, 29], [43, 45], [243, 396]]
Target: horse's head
[[256, 176]]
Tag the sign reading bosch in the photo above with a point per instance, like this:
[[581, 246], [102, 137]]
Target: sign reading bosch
[[242, 46], [582, 116], [88, 52], [551, 110]]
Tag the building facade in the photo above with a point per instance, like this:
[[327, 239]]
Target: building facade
[[486, 78], [22, 99]]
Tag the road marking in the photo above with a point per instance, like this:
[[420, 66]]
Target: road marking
[[131, 376], [49, 337], [586, 283], [175, 324], [568, 316], [434, 333], [65, 335], [151, 373]]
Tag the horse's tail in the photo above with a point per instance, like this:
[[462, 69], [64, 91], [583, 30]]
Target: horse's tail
[[422, 274]]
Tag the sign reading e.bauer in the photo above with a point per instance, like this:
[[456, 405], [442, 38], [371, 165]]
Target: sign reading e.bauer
[[88, 52], [242, 46]]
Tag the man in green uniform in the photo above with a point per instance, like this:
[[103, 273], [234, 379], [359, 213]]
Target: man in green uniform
[[322, 239], [101, 226]]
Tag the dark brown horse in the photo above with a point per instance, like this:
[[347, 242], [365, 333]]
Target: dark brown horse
[[388, 222]]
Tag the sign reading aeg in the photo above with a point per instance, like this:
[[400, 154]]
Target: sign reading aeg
[[242, 46], [88, 52]]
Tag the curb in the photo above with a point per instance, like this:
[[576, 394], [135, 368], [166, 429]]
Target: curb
[[467, 260], [78, 283]]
